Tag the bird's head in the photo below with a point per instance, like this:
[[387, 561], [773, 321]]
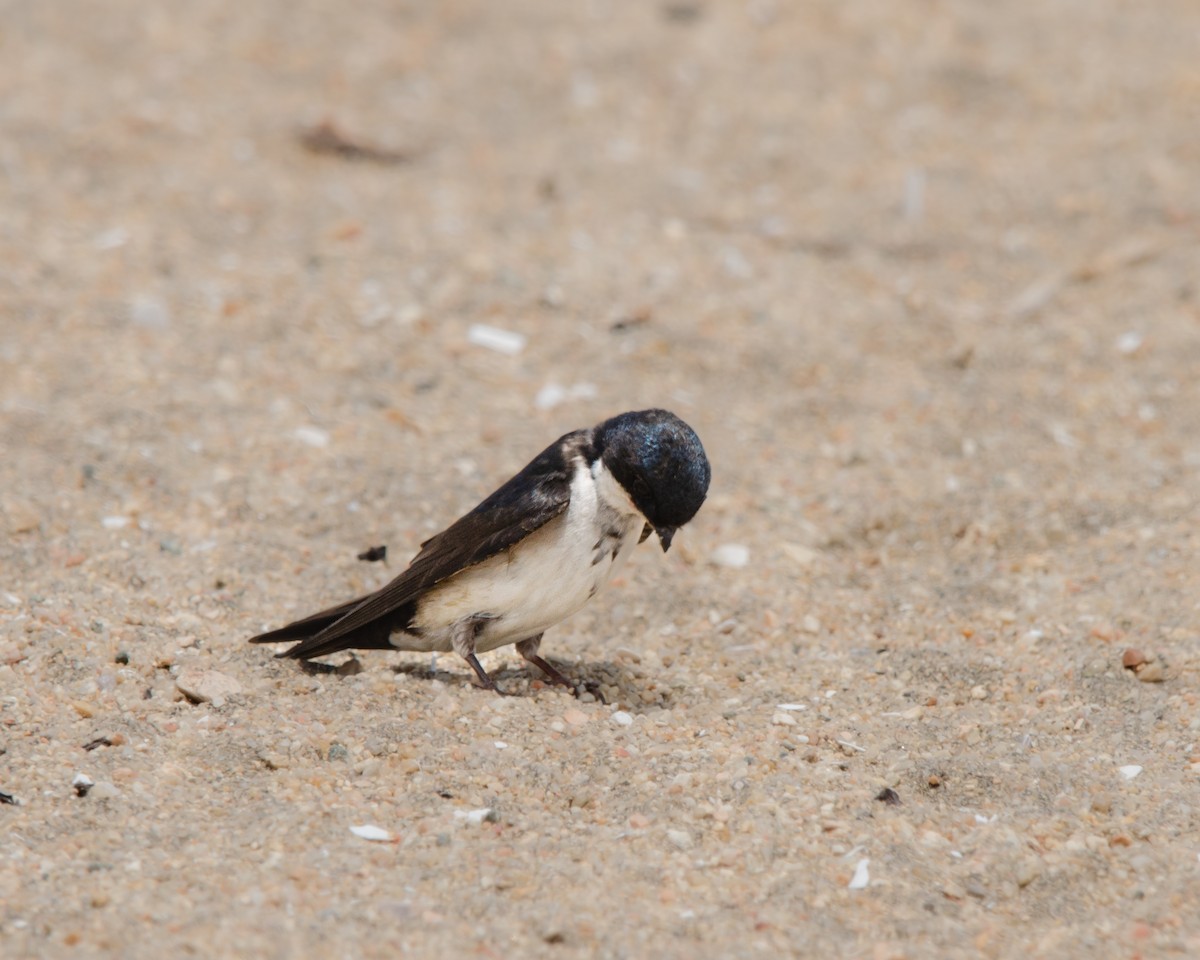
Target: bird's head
[[660, 463]]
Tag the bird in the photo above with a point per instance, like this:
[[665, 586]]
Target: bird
[[529, 555]]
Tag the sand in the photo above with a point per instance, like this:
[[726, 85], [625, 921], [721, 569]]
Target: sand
[[919, 681]]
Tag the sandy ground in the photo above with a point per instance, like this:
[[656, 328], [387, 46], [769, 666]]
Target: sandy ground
[[924, 278]]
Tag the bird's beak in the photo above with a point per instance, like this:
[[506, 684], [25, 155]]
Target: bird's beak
[[664, 536]]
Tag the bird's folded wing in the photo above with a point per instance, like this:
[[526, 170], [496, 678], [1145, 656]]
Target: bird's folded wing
[[528, 501]]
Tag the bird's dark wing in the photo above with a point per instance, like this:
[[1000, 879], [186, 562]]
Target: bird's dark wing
[[532, 498], [310, 625]]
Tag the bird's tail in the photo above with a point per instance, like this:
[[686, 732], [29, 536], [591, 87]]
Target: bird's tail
[[309, 631]]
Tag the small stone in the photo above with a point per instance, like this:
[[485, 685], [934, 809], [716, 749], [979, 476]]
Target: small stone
[[338, 751], [639, 821], [575, 717], [782, 718], [1132, 658], [1129, 343], [862, 875], [1130, 771], [979, 693], [1152, 671], [1028, 870], [507, 342], [371, 832], [122, 657], [552, 394], [799, 554], [680, 839], [476, 817], [622, 719], [207, 686], [312, 436], [731, 555], [82, 783], [810, 624]]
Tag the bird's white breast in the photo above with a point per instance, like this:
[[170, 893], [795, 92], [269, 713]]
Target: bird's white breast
[[543, 579]]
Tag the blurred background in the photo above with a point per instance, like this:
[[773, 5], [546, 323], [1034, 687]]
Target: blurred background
[[910, 270]]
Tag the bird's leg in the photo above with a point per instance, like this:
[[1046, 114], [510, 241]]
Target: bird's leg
[[463, 642], [529, 650]]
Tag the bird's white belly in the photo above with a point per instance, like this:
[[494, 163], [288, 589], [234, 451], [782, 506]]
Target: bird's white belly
[[536, 584]]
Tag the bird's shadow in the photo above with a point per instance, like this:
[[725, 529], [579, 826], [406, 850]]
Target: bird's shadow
[[606, 680]]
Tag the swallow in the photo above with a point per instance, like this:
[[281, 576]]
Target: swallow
[[531, 554]]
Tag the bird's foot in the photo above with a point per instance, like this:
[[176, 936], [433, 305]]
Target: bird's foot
[[556, 677], [484, 680], [589, 686]]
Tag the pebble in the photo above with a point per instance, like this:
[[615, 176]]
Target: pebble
[[1129, 342], [1147, 668], [312, 436], [207, 686], [862, 875], [800, 554], [680, 839], [508, 342], [1132, 658], [476, 817], [1130, 771], [782, 718], [1028, 870], [552, 394], [370, 832], [82, 784], [575, 717], [731, 555], [622, 719]]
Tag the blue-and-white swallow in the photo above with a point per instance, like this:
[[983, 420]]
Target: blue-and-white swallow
[[532, 553]]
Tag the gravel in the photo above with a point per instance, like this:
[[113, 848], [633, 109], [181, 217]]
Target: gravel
[[926, 288]]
